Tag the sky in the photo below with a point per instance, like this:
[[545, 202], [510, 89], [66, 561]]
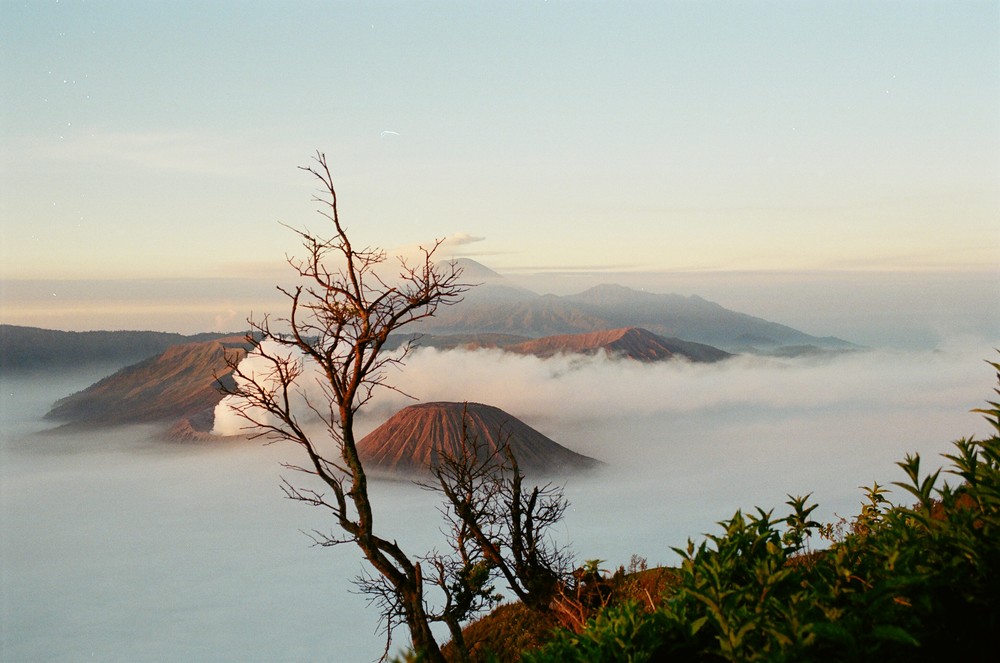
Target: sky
[[159, 142]]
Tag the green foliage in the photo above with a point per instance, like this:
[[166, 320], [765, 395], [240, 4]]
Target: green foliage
[[513, 628], [623, 633], [501, 636], [898, 583]]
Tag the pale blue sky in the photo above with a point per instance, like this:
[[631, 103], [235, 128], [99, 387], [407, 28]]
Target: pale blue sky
[[162, 138]]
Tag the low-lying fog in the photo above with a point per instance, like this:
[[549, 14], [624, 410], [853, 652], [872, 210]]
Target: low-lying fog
[[117, 547]]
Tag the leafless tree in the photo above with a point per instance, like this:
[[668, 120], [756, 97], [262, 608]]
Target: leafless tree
[[334, 338], [496, 529], [488, 507], [341, 315]]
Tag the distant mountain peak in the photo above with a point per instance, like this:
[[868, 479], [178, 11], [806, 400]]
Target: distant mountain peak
[[610, 288], [475, 271], [500, 310], [607, 290]]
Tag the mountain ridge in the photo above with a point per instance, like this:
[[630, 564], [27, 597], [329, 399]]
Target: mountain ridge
[[626, 342], [35, 348], [496, 309]]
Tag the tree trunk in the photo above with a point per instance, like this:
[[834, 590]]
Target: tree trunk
[[424, 644]]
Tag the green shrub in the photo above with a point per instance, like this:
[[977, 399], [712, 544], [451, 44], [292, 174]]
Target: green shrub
[[898, 583], [624, 632], [500, 636]]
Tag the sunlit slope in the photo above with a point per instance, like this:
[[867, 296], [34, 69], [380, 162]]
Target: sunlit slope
[[629, 342], [413, 439], [183, 381]]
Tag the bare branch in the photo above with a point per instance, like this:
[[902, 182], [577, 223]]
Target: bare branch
[[329, 361], [485, 501], [341, 313]]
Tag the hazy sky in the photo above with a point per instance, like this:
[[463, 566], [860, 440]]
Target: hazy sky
[[161, 139]]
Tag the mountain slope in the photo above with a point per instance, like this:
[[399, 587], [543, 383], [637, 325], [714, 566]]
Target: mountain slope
[[497, 309], [691, 318], [178, 384], [411, 440], [455, 341], [629, 342], [475, 272]]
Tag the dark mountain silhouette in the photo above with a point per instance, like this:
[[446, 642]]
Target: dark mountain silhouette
[[411, 440], [32, 348], [498, 309], [456, 341], [628, 342], [179, 386]]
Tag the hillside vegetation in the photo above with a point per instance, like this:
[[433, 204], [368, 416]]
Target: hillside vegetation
[[913, 580]]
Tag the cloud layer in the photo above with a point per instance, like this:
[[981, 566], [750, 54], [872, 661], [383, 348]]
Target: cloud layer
[[750, 429], [117, 547]]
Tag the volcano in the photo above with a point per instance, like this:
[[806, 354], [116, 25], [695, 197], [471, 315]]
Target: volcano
[[411, 441], [181, 385], [628, 342]]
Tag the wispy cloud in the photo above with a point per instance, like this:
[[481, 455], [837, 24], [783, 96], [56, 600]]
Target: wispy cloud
[[450, 247], [461, 239], [175, 152]]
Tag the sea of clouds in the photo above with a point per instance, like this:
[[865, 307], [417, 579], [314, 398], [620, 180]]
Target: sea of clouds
[[118, 546]]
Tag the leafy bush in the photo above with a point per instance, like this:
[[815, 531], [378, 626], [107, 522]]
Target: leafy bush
[[502, 635], [898, 583], [624, 632]]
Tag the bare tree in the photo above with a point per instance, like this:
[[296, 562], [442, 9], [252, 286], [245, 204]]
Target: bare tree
[[341, 315], [488, 507], [334, 338], [496, 530]]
